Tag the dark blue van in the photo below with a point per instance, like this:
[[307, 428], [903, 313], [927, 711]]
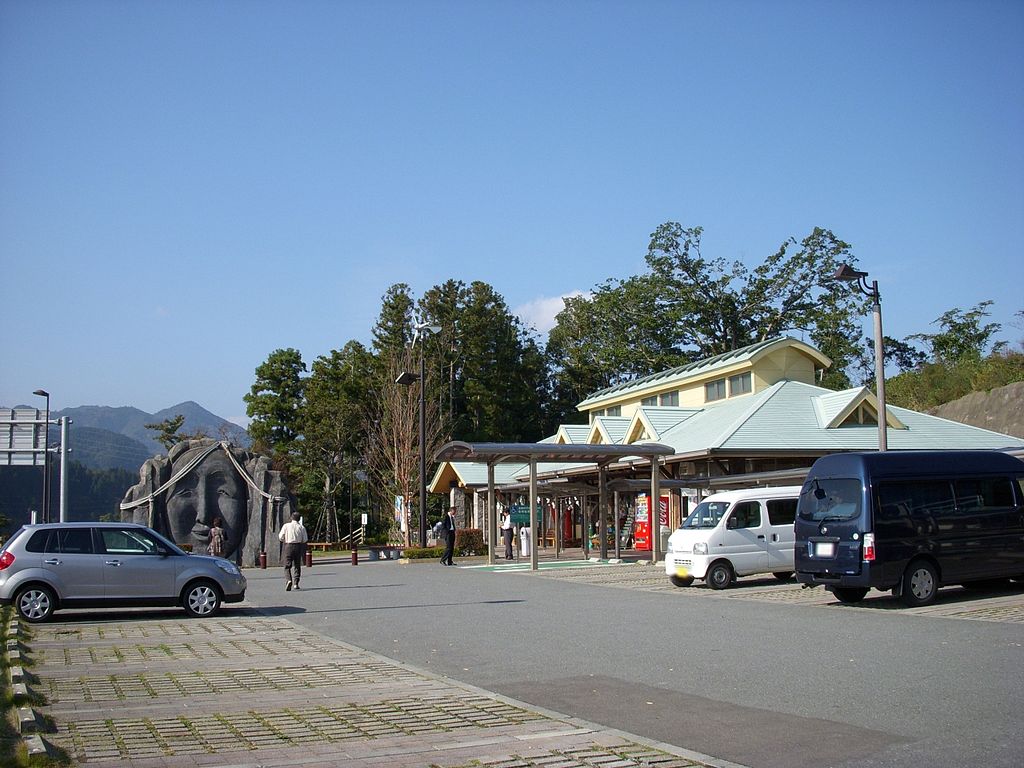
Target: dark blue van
[[910, 522]]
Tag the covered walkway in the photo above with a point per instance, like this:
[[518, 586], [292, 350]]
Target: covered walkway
[[532, 454]]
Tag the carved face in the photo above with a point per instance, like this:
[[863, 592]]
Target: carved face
[[213, 489]]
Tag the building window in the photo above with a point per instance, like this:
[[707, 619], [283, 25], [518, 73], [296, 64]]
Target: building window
[[669, 398], [714, 390], [615, 410], [650, 400], [739, 384]]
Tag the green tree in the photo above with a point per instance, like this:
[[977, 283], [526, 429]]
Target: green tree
[[333, 428], [393, 329], [687, 307], [167, 431], [963, 337], [275, 404]]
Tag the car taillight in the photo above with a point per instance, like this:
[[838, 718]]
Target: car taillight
[[869, 547], [6, 560]]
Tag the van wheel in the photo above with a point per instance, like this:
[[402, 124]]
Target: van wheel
[[783, 575], [35, 604], [681, 581], [720, 575], [201, 599], [920, 584], [849, 595]]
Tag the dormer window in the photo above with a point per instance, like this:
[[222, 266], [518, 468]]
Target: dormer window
[[714, 390], [739, 384]]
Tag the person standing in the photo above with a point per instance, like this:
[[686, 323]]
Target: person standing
[[293, 536], [506, 533], [216, 547], [448, 531]]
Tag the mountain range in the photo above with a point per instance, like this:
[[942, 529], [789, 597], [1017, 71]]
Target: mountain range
[[103, 437]]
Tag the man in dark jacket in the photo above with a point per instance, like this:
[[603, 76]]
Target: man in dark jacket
[[448, 532]]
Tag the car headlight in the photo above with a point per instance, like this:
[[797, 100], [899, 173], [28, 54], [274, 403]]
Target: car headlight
[[228, 567], [700, 548]]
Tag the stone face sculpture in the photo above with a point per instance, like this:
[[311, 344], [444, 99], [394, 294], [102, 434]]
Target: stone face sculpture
[[180, 494]]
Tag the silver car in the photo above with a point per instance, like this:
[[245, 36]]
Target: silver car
[[44, 568]]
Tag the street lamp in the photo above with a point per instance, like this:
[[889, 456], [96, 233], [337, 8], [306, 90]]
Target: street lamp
[[407, 378], [46, 456], [848, 274]]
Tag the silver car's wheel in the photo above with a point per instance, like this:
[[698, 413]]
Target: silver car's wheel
[[201, 599], [35, 604]]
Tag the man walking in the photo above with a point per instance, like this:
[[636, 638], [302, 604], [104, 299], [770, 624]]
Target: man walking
[[293, 535], [448, 531]]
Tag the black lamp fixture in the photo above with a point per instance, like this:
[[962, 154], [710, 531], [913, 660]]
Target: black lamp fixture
[[848, 274], [46, 456]]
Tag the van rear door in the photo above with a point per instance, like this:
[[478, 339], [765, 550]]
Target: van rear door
[[831, 521]]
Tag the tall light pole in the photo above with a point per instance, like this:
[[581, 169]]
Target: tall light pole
[[46, 456], [848, 274], [407, 378]]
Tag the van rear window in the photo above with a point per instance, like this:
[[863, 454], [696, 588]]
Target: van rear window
[[834, 498]]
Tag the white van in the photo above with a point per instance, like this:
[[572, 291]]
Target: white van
[[735, 533]]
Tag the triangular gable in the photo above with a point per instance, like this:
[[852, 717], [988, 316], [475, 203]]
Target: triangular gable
[[572, 434], [845, 408], [608, 429], [650, 422]]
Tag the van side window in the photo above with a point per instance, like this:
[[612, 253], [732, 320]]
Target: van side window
[[920, 499], [746, 514], [984, 493], [38, 541], [781, 511]]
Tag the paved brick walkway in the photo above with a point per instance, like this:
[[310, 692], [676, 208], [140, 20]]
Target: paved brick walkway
[[247, 690]]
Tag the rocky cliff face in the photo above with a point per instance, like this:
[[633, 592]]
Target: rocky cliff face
[[1001, 410]]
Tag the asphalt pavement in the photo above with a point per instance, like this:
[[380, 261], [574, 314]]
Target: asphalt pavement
[[415, 665]]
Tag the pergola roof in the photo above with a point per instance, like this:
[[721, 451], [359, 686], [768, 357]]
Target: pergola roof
[[493, 453]]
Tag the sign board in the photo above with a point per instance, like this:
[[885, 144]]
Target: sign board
[[22, 437], [365, 519], [521, 514]]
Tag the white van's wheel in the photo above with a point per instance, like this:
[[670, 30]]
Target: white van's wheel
[[681, 581], [720, 575], [783, 575]]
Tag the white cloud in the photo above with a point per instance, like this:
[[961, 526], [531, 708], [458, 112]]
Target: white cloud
[[540, 313]]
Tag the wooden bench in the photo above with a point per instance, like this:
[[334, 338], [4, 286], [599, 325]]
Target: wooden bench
[[320, 546]]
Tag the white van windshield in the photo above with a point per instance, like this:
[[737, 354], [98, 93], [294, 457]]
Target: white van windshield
[[834, 498], [707, 514]]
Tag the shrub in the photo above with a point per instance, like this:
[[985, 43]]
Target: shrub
[[422, 553], [469, 542]]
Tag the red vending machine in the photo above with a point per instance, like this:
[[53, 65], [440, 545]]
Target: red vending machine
[[642, 525]]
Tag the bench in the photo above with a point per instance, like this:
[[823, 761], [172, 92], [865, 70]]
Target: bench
[[320, 546], [383, 552]]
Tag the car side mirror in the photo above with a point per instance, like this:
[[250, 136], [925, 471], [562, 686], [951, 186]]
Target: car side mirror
[[731, 523]]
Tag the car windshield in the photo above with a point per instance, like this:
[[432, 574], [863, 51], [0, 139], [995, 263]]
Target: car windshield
[[707, 514], [834, 498]]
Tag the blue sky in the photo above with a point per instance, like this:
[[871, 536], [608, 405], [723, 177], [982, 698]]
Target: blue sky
[[187, 186]]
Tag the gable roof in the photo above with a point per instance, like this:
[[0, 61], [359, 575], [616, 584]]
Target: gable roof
[[704, 367], [608, 429]]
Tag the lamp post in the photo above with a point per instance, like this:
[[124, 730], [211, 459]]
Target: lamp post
[[848, 274], [46, 456], [407, 378]]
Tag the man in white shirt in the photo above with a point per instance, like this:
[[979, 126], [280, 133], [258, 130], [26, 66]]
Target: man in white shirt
[[506, 533], [293, 536]]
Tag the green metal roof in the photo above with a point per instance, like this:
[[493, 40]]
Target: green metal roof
[[700, 367]]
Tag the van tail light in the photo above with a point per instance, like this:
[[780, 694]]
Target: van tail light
[[6, 561], [869, 547]]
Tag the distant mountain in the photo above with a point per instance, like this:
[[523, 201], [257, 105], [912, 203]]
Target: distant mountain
[[102, 449], [103, 437]]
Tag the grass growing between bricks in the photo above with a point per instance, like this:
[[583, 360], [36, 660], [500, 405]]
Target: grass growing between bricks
[[13, 751]]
